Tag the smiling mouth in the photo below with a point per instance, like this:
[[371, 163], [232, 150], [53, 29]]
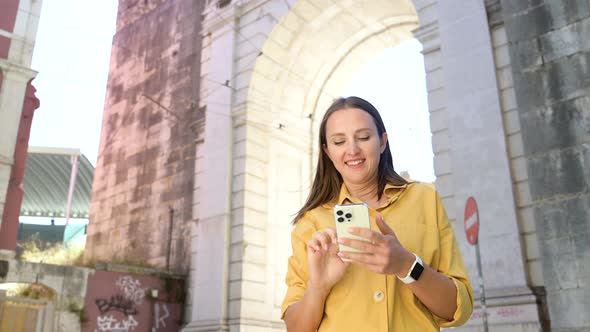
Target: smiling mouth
[[354, 162]]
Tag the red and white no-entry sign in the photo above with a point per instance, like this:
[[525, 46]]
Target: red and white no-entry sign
[[471, 220]]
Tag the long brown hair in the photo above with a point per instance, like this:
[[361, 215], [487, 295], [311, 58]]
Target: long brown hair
[[327, 181]]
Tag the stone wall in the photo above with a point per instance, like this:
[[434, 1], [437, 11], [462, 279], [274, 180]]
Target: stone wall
[[68, 283], [549, 49], [141, 206]]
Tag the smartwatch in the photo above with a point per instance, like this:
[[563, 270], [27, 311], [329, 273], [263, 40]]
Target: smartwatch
[[414, 272]]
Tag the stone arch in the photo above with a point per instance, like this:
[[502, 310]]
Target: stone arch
[[303, 65]]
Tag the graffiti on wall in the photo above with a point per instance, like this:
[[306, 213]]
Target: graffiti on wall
[[118, 302], [110, 323], [160, 314], [131, 294]]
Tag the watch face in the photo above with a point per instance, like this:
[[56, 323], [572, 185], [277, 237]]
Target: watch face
[[417, 271]]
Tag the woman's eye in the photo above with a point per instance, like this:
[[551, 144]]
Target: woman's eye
[[339, 143], [366, 138]]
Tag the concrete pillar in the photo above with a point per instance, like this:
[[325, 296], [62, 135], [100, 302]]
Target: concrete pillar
[[480, 162], [212, 237], [12, 95], [14, 196]]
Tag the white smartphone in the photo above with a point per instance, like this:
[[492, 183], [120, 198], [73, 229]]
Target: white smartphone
[[351, 215]]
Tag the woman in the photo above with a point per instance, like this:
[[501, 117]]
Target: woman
[[411, 276]]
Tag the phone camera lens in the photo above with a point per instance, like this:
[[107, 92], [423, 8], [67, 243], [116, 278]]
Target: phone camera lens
[[340, 219], [348, 215], [339, 212]]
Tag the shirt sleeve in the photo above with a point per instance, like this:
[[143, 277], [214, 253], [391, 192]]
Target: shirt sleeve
[[297, 271], [451, 264]]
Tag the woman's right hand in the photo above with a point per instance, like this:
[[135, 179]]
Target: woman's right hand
[[326, 268]]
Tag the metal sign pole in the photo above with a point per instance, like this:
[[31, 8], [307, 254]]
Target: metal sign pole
[[481, 289]]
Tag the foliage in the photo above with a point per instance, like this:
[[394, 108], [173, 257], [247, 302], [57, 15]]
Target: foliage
[[79, 310], [35, 251], [30, 291]]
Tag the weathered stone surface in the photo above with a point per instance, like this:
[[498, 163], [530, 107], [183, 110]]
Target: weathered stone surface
[[549, 46], [569, 77], [528, 24], [144, 176], [564, 124], [566, 41], [560, 172]]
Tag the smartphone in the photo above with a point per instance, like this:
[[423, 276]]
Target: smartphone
[[351, 215]]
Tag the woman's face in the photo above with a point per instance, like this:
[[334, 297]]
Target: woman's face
[[354, 146]]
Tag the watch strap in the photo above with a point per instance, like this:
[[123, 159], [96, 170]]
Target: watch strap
[[415, 271]]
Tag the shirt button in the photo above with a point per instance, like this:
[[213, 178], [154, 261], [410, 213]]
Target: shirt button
[[378, 296]]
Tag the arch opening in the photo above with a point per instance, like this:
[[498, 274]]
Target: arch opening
[[308, 59]]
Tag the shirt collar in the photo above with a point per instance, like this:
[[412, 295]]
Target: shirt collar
[[391, 191]]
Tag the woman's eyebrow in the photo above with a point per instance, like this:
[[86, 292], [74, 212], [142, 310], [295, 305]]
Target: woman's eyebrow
[[356, 132]]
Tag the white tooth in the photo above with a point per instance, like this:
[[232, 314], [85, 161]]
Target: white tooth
[[354, 163]]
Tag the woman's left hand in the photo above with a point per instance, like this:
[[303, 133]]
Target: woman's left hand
[[383, 254]]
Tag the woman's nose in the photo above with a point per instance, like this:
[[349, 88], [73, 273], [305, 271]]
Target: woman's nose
[[352, 148]]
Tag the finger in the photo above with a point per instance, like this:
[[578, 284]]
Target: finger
[[314, 244], [322, 238], [370, 262], [383, 227], [332, 233], [358, 244], [368, 234], [358, 257]]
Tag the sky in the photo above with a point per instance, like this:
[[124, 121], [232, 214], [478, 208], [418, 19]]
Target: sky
[[72, 55]]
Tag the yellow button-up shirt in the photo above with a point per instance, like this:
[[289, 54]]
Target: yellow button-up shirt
[[366, 301]]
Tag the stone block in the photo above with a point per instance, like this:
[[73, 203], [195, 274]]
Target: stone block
[[568, 77], [434, 79], [502, 56], [561, 125], [511, 122], [442, 164], [526, 217], [444, 185], [441, 141], [519, 169], [438, 121], [531, 244], [581, 243], [560, 172], [306, 10], [505, 78], [531, 88], [499, 36], [562, 218], [432, 60], [566, 41], [528, 24], [563, 13], [559, 269], [437, 100], [508, 100], [536, 277], [515, 146], [523, 194], [449, 204], [512, 7], [253, 272], [568, 309], [583, 271], [428, 14]]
